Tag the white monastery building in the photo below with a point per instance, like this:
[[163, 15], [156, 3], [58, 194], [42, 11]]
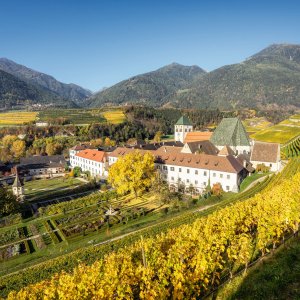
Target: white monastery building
[[90, 160], [195, 159]]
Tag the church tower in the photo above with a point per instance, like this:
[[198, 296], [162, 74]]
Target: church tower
[[18, 188], [182, 127]]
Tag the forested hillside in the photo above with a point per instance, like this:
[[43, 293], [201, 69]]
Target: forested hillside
[[268, 79], [41, 80], [16, 92], [151, 88]]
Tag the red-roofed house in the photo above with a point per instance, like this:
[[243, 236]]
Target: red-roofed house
[[90, 160]]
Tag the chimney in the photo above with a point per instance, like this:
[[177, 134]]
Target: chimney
[[244, 163]]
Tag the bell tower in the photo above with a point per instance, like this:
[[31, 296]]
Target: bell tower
[[182, 127]]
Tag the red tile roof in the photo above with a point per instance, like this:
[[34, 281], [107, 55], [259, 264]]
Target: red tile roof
[[92, 154], [197, 136]]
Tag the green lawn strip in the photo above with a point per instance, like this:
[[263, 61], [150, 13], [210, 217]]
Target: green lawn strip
[[248, 180], [274, 277], [42, 186]]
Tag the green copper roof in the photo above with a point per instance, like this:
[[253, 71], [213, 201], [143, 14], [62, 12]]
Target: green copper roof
[[230, 132], [184, 121]]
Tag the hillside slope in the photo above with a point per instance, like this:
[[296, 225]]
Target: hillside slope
[[66, 91], [16, 92], [149, 88], [267, 79]]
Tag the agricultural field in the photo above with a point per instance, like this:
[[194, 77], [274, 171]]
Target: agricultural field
[[73, 116], [253, 125], [67, 116], [114, 116], [17, 118], [281, 133]]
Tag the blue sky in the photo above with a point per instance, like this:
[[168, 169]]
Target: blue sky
[[98, 43]]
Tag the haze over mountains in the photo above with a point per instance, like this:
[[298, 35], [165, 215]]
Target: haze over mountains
[[270, 78]]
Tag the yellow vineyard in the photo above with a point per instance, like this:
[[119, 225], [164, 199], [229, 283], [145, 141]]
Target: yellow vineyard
[[17, 117], [280, 133], [114, 116]]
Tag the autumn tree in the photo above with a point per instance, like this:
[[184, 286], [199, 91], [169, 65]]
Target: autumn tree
[[157, 137], [18, 149], [133, 172], [217, 189]]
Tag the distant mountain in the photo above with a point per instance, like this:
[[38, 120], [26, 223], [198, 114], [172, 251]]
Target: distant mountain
[[270, 78], [149, 88], [66, 91], [16, 92]]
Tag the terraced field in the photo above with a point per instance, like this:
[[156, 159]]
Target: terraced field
[[17, 117], [280, 133]]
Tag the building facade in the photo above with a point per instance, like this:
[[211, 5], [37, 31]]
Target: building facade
[[195, 171], [90, 160], [267, 154]]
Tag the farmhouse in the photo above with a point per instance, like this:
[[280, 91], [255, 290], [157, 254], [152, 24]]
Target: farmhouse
[[90, 160], [267, 154], [41, 166]]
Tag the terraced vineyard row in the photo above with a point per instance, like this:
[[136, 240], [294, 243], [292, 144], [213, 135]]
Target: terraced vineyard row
[[187, 261], [63, 223], [292, 149]]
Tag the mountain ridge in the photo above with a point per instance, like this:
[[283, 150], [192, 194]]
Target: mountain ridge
[[69, 91], [271, 77], [151, 86]]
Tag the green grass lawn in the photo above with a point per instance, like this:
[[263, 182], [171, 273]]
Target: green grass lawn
[[248, 180], [275, 277], [35, 188]]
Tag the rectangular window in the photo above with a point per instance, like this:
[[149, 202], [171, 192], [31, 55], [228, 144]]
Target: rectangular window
[[172, 168], [196, 181], [227, 188], [165, 167], [205, 173], [228, 176], [221, 175], [172, 178], [179, 169], [188, 171], [187, 181], [214, 174], [196, 172], [204, 183]]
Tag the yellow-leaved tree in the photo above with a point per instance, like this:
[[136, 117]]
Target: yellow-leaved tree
[[18, 149], [133, 172]]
